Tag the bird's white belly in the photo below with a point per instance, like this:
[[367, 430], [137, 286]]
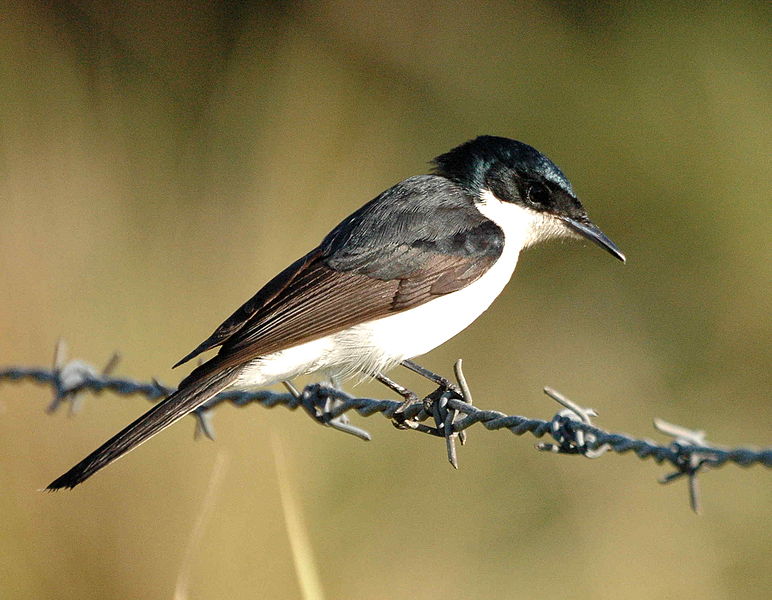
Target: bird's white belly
[[418, 330]]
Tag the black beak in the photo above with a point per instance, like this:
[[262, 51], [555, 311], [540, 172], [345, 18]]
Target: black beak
[[594, 234]]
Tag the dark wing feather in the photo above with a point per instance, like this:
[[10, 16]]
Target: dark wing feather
[[386, 257]]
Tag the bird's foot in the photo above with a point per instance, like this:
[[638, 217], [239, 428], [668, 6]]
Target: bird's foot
[[410, 399], [409, 415]]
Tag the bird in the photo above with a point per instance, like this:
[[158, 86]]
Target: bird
[[398, 277]]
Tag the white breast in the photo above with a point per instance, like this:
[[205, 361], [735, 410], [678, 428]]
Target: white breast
[[379, 345]]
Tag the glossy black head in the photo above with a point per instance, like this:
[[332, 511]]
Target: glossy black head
[[518, 173]]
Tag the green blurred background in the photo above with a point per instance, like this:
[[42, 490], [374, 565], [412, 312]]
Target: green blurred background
[[160, 161]]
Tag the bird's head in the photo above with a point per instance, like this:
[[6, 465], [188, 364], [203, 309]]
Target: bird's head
[[512, 180]]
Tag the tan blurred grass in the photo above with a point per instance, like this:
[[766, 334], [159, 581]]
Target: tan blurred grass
[[159, 162]]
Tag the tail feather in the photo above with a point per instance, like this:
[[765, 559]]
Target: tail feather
[[193, 393]]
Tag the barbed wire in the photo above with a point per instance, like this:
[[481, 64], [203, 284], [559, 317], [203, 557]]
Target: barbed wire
[[449, 407]]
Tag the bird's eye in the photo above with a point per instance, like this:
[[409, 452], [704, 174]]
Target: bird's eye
[[538, 194]]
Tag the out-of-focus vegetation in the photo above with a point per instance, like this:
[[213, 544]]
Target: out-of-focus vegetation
[[160, 161]]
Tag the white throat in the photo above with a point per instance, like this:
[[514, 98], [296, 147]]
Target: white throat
[[522, 227]]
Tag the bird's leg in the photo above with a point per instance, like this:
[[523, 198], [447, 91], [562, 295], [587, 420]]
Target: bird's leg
[[334, 381], [290, 387], [410, 398], [433, 377]]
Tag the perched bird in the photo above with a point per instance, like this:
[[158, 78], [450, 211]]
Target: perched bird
[[400, 276]]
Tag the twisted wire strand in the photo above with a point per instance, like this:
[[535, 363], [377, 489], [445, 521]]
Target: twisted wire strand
[[450, 407]]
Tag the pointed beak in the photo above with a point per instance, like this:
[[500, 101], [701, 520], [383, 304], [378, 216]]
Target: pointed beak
[[594, 234]]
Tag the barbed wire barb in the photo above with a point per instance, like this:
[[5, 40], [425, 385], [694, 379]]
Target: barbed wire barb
[[689, 463], [449, 406]]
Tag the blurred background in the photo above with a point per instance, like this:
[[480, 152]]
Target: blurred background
[[159, 161]]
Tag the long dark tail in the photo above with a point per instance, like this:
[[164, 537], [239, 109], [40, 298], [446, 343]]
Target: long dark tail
[[193, 392]]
